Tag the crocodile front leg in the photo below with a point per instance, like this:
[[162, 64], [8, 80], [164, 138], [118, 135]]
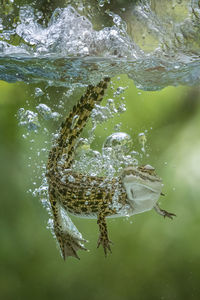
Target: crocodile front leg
[[103, 236], [163, 212], [69, 238]]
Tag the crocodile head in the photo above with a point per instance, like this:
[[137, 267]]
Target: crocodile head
[[143, 187]]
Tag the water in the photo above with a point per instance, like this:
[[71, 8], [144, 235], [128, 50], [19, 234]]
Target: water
[[78, 45], [162, 51], [74, 48], [160, 253]]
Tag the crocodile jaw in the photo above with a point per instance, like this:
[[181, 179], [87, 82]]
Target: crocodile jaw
[[142, 194]]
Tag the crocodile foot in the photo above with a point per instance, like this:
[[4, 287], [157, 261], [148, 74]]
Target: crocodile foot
[[105, 242], [163, 212], [69, 245]]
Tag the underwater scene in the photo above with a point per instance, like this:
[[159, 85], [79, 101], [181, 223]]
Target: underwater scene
[[100, 149]]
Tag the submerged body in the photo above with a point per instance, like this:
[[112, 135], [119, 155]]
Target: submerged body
[[136, 190]]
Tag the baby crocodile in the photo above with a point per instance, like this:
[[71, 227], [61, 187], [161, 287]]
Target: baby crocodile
[[136, 190]]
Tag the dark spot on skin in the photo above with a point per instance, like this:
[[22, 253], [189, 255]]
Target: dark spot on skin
[[67, 124], [86, 96], [53, 193], [80, 195], [74, 108], [84, 209], [64, 191], [52, 155], [50, 166], [82, 203], [94, 96], [79, 122], [71, 139], [104, 206], [54, 185], [99, 196], [93, 208], [82, 99], [88, 106], [104, 86], [85, 118], [107, 197], [81, 109]]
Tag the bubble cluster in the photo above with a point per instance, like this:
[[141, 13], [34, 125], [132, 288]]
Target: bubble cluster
[[28, 119], [117, 152], [46, 112], [68, 33]]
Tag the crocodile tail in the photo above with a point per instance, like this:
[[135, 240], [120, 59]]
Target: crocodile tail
[[74, 124]]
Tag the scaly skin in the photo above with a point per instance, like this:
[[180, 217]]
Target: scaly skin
[[83, 195]]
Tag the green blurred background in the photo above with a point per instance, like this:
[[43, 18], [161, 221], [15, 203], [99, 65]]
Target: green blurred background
[[153, 258]]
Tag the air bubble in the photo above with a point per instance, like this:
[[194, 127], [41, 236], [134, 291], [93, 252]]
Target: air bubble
[[55, 116], [120, 142], [122, 108], [102, 2], [71, 178], [117, 127], [142, 140], [119, 91], [28, 119], [74, 121], [38, 92]]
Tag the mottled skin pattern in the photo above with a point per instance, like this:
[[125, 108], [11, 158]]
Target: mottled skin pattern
[[77, 193], [71, 194]]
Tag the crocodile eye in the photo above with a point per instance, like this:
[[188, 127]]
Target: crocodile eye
[[149, 168]]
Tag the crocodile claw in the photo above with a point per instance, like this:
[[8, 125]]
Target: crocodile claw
[[69, 245], [105, 242]]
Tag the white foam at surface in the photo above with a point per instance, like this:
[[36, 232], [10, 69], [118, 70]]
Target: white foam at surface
[[68, 50], [70, 34]]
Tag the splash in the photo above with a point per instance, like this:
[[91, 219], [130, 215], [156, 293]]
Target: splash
[[152, 48]]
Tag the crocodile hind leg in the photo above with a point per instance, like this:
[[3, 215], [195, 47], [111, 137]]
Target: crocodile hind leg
[[69, 238], [103, 236], [69, 244]]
